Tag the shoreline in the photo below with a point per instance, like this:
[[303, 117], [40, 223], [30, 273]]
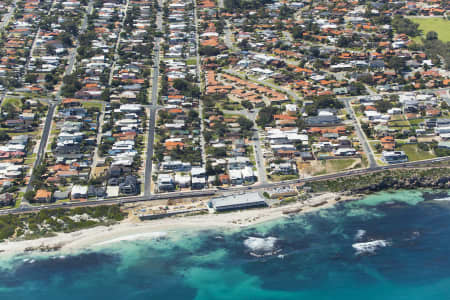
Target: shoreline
[[88, 239]]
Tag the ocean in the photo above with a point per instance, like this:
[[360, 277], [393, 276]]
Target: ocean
[[390, 245]]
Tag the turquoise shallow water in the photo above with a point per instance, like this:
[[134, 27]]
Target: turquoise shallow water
[[385, 246]]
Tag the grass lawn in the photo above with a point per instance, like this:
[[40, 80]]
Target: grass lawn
[[16, 102], [18, 201], [62, 201], [416, 122], [438, 24], [364, 160], [340, 164], [30, 160], [414, 153], [399, 123], [191, 61], [277, 178], [373, 145], [54, 131], [230, 106], [337, 165], [397, 118], [92, 104]]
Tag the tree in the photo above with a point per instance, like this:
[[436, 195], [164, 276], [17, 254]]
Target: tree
[[245, 123], [31, 78], [328, 102], [192, 116], [233, 5], [70, 25], [208, 51], [181, 84], [49, 77], [432, 35], [220, 26], [71, 85], [265, 116], [247, 104], [208, 135], [397, 63], [285, 12], [423, 147], [406, 26], [297, 32], [9, 109], [383, 106], [343, 42], [65, 39], [29, 195], [187, 88], [4, 136], [244, 44], [314, 51]]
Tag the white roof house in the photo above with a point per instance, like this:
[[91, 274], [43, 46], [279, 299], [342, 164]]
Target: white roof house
[[182, 180], [130, 108], [198, 172], [79, 190]]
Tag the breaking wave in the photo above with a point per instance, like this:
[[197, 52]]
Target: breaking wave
[[260, 247], [442, 199], [260, 244], [369, 247]]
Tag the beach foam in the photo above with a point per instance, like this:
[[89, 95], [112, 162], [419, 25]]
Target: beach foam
[[135, 237], [260, 244], [442, 199], [260, 247], [369, 247]]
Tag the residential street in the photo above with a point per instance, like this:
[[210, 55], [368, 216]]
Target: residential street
[[51, 111], [153, 109], [255, 141]]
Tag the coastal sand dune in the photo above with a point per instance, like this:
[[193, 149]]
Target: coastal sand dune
[[128, 230]]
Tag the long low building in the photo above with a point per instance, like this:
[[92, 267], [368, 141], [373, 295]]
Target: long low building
[[237, 202]]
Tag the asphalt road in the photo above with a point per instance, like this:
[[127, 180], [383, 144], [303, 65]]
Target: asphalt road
[[42, 146], [35, 38], [116, 47], [256, 142], [51, 110], [153, 109], [361, 135], [6, 18], [148, 168], [240, 189], [73, 54]]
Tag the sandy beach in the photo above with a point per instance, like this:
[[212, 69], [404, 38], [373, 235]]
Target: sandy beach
[[128, 230]]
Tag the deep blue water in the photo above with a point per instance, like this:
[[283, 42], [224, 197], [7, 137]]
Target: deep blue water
[[403, 253]]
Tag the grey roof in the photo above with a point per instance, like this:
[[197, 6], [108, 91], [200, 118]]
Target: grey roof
[[320, 120], [61, 195], [237, 200]]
